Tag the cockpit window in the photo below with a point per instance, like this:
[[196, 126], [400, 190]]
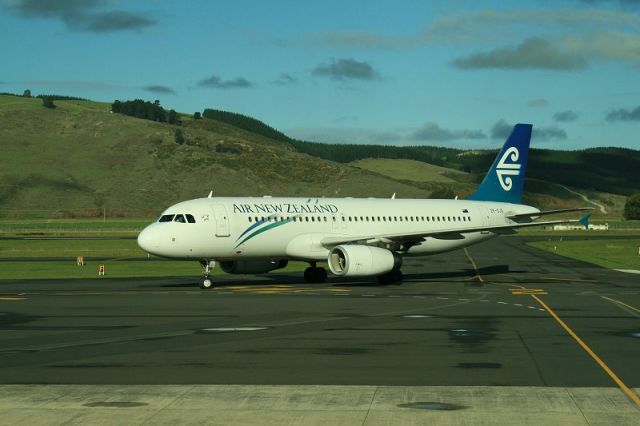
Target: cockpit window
[[190, 218], [180, 219], [166, 218]]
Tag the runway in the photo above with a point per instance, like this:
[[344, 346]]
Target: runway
[[490, 317]]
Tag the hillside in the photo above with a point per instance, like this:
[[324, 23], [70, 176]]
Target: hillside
[[609, 170], [80, 159]]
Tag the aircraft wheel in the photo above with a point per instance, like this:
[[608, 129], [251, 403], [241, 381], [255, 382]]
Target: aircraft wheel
[[391, 277], [321, 275], [315, 275], [206, 283], [308, 275]]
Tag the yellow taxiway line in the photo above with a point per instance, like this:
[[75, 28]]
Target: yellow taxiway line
[[475, 267], [533, 293], [619, 302], [632, 395]]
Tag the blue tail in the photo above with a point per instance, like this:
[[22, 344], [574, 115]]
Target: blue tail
[[505, 180], [585, 221]]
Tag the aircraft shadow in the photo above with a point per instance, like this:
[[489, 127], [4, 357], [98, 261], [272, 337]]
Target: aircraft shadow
[[295, 278]]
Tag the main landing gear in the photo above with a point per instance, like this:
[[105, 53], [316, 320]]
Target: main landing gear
[[313, 274], [205, 281], [392, 277]]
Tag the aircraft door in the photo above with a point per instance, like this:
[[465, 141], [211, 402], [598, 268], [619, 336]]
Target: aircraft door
[[486, 220], [222, 220]]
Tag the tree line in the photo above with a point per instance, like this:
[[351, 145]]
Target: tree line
[[246, 123], [146, 110]]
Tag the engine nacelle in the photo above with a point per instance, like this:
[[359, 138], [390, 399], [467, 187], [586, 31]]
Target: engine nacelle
[[251, 266], [360, 260]]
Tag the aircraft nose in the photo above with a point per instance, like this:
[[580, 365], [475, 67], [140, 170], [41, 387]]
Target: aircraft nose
[[147, 240]]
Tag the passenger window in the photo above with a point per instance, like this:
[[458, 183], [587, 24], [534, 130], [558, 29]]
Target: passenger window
[[180, 219], [166, 218], [190, 218]]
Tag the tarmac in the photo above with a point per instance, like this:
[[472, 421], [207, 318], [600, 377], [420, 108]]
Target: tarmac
[[499, 334]]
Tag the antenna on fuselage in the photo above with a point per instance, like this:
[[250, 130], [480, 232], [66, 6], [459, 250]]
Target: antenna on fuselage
[[210, 194]]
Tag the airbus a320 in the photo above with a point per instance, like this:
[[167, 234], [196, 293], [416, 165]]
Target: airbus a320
[[356, 237]]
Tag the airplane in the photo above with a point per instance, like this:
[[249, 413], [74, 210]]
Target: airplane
[[356, 237]]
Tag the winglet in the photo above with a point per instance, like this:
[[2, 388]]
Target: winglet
[[585, 221]]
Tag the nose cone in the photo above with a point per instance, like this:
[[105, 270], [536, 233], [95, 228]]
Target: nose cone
[[147, 240]]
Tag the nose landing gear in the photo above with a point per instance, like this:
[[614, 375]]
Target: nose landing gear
[[205, 281]]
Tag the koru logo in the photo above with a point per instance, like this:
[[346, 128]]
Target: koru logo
[[505, 170]]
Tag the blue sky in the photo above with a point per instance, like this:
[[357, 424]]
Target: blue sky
[[449, 73]]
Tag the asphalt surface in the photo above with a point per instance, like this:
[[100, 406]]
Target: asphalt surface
[[457, 320]]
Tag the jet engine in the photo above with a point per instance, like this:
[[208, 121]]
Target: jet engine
[[251, 266], [361, 260]]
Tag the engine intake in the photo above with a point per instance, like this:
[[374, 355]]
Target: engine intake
[[360, 260], [251, 266]]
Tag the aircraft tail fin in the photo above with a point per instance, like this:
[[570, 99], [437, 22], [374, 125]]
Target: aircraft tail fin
[[585, 221], [505, 180]]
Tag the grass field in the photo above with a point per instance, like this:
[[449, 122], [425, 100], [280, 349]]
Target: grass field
[[113, 269], [70, 249], [614, 254], [122, 259], [411, 170], [72, 227]]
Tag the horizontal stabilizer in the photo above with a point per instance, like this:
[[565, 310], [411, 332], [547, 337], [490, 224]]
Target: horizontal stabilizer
[[546, 212]]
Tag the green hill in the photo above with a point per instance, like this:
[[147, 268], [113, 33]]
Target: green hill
[[80, 160]]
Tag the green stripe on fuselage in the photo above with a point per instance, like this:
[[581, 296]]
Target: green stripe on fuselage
[[263, 229]]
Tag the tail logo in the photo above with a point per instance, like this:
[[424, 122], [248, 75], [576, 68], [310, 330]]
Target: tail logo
[[508, 166]]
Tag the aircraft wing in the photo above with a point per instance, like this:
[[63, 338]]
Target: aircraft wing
[[531, 216], [445, 234]]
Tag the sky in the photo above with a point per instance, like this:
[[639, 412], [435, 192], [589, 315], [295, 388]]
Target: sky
[[447, 73]]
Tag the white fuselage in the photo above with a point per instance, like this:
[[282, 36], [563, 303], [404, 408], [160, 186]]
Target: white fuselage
[[234, 228]]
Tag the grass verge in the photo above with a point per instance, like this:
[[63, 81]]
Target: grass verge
[[614, 254]]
